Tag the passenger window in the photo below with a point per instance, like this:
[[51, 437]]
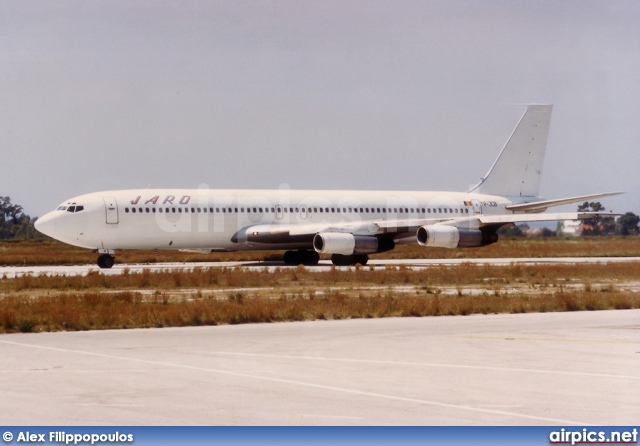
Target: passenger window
[[160, 210], [186, 210], [133, 210], [173, 210], [147, 210], [180, 210], [126, 210], [153, 210]]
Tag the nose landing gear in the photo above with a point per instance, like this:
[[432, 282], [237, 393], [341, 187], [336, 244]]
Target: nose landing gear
[[106, 261]]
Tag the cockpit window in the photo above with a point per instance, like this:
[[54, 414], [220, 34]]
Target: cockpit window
[[71, 208]]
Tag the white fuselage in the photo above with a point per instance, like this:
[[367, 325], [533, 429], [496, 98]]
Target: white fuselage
[[203, 219]]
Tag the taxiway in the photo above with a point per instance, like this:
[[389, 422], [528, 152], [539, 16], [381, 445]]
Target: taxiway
[[525, 369], [74, 270]]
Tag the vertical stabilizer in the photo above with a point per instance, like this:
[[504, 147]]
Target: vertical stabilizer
[[517, 171]]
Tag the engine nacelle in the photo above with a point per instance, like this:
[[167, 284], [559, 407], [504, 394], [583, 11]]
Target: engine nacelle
[[346, 244], [443, 236]]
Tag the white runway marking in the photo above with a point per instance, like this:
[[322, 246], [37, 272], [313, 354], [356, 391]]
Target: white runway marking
[[310, 385]]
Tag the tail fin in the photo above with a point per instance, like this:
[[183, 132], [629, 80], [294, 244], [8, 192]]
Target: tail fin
[[517, 171]]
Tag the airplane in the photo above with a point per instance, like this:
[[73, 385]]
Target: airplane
[[349, 225]]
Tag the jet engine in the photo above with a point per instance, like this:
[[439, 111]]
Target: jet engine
[[443, 236], [346, 244]]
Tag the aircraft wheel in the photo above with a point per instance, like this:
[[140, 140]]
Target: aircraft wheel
[[362, 259], [310, 258], [340, 260], [105, 261], [290, 258]]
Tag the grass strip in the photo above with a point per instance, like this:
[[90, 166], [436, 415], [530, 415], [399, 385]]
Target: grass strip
[[96, 311]]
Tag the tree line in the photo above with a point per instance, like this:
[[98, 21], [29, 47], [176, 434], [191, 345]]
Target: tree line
[[15, 224]]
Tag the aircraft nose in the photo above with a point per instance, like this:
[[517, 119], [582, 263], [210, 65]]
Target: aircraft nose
[[47, 224]]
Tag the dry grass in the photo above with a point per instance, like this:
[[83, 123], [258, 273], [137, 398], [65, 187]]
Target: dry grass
[[209, 296], [86, 311]]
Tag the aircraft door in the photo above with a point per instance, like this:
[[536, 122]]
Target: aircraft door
[[477, 207], [111, 209], [303, 212], [279, 212]]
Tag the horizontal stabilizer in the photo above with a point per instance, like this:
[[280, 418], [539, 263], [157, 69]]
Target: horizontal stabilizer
[[541, 206]]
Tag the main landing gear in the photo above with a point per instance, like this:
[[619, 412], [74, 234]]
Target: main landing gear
[[105, 261], [301, 258], [312, 258], [353, 259]]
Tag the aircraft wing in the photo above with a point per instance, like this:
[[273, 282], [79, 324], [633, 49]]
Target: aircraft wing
[[274, 233]]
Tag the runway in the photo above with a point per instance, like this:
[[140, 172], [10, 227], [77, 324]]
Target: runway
[[74, 270], [525, 369]]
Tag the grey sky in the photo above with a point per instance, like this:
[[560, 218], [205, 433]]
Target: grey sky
[[412, 95]]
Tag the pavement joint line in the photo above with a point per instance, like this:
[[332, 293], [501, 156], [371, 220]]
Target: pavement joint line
[[424, 364], [588, 341], [559, 421]]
